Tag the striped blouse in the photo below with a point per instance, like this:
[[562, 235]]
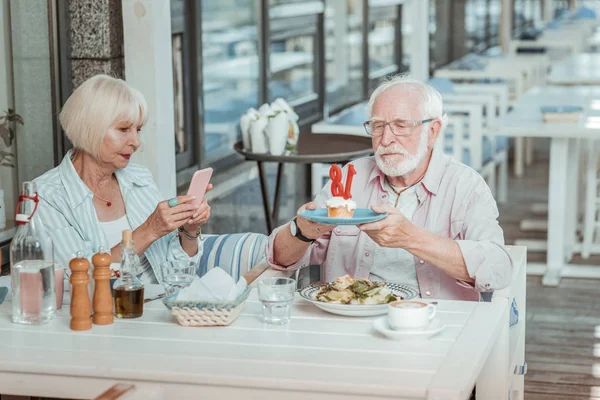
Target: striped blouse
[[67, 212]]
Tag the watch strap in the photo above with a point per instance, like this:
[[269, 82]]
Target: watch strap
[[299, 234]]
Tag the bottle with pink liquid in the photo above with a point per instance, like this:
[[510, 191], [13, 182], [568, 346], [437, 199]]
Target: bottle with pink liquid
[[32, 264]]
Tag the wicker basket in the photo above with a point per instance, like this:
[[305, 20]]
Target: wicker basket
[[189, 313]]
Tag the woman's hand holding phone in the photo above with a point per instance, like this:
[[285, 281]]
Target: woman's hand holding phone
[[201, 216], [199, 186]]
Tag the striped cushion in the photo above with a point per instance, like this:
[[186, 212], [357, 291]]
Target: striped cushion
[[235, 253]]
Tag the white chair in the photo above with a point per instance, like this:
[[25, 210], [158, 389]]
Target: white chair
[[591, 219], [477, 146], [519, 72], [511, 367]]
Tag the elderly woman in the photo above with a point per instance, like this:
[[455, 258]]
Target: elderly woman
[[96, 193]]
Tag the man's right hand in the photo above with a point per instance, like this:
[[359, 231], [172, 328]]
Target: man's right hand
[[311, 230]]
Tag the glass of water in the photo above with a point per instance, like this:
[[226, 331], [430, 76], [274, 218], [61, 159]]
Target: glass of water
[[276, 295], [177, 274]]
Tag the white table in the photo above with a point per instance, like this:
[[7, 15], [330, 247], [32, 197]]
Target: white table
[[526, 120], [578, 69], [317, 356]]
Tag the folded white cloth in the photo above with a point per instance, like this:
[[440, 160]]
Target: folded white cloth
[[215, 286]]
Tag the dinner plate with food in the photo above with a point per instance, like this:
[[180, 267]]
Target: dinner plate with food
[[357, 297]]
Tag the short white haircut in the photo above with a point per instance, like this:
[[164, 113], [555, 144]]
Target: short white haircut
[[430, 98], [95, 106]]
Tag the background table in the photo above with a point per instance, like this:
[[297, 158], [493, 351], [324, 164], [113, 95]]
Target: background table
[[578, 69], [310, 149], [317, 356], [526, 120]]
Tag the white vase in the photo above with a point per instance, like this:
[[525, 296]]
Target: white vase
[[245, 120], [281, 104], [258, 139], [277, 133], [265, 110]]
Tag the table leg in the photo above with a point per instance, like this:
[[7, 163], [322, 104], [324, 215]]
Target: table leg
[[557, 210], [265, 196], [519, 150], [529, 148], [493, 382], [573, 199], [309, 177], [275, 217]]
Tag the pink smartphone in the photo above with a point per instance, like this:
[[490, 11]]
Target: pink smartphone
[[199, 183]]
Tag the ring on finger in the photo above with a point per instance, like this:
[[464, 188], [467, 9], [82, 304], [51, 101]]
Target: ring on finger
[[174, 202]]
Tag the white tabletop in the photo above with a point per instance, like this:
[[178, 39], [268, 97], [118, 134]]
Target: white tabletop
[[526, 118], [577, 69], [318, 355]]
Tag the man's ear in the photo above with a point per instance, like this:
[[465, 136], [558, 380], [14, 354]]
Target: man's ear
[[435, 128]]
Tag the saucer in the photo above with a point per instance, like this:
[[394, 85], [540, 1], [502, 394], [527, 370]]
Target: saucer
[[382, 326]]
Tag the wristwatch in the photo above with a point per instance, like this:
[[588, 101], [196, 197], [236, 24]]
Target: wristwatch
[[297, 233]]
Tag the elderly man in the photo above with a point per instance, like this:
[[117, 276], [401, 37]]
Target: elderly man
[[441, 234]]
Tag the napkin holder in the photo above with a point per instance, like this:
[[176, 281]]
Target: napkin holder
[[561, 114], [191, 313]]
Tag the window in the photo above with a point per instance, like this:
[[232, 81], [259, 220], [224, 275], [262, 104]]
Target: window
[[343, 53], [230, 72], [440, 34], [385, 41], [494, 16], [476, 25], [181, 41], [295, 59]]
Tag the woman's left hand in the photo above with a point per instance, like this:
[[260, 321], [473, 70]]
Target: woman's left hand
[[201, 216]]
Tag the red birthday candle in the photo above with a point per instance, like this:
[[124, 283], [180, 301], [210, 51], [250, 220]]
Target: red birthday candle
[[349, 177], [335, 173]]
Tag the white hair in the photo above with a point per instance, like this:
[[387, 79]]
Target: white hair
[[430, 98], [96, 105]]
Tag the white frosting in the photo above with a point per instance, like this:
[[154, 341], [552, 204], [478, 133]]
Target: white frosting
[[336, 202]]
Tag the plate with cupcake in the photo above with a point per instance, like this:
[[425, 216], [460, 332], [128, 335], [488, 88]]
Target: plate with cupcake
[[341, 211]]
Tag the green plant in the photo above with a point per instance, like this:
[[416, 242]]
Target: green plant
[[7, 133]]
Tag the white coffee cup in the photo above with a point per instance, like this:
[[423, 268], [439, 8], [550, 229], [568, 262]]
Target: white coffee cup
[[404, 314]]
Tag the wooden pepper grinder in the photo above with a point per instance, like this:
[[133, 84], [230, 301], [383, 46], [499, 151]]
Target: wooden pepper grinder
[[103, 301], [81, 308]]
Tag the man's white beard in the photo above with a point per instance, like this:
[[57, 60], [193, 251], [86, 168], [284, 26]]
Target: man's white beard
[[410, 162]]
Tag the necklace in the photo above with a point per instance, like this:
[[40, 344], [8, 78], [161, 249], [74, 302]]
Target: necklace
[[108, 202], [399, 192]]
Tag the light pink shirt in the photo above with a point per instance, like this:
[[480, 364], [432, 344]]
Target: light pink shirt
[[454, 202]]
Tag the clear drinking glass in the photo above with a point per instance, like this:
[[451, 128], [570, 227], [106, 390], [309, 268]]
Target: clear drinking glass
[[177, 274], [276, 295]]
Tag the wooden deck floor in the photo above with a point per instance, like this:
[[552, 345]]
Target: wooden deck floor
[[563, 324]]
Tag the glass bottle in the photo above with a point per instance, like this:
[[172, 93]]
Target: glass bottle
[[128, 289], [31, 264]]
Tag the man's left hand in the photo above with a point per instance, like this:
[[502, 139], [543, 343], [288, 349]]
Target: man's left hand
[[395, 230]]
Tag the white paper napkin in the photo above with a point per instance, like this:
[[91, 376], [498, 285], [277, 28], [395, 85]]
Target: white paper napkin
[[215, 286]]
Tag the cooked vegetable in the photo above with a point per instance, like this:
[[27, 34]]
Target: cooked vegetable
[[347, 290]]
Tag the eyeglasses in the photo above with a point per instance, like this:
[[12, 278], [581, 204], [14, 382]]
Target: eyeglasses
[[399, 127]]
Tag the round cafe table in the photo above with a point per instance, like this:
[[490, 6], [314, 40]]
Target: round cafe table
[[311, 148]]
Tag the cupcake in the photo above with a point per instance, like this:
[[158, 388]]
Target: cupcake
[[338, 207]]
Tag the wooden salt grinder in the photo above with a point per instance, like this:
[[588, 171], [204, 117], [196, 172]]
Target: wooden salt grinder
[[103, 301], [81, 308]]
